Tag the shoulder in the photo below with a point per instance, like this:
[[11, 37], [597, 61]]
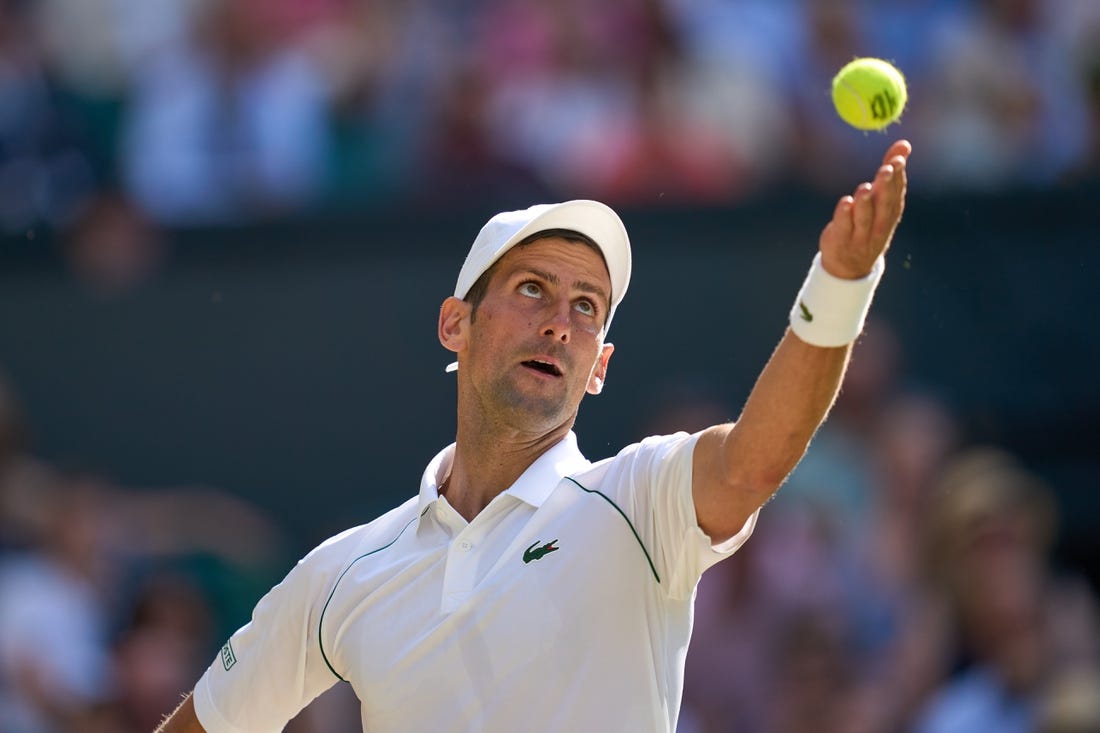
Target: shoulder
[[335, 553], [658, 445], [657, 465], [648, 453]]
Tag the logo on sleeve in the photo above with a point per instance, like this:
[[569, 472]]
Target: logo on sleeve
[[537, 553], [228, 657]]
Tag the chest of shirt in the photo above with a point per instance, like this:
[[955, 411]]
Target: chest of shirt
[[519, 591]]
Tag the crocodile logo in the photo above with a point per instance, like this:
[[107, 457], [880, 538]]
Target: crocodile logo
[[805, 314], [537, 553]]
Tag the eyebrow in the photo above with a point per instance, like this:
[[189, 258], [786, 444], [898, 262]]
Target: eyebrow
[[583, 285]]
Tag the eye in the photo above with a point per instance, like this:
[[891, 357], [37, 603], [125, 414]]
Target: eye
[[587, 307], [530, 289]]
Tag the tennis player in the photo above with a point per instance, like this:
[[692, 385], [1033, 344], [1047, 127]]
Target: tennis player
[[525, 588]]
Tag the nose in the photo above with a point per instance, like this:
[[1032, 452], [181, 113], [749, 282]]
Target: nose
[[558, 324]]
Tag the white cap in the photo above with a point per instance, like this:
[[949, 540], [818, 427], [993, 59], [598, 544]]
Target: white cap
[[507, 229]]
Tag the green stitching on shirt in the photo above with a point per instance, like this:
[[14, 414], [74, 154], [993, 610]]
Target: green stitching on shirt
[[321, 621], [630, 524]]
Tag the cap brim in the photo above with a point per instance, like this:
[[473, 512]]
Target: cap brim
[[593, 219]]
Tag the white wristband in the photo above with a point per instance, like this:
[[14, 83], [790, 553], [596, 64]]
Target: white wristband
[[830, 310]]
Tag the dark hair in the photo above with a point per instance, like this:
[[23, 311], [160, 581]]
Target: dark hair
[[477, 291]]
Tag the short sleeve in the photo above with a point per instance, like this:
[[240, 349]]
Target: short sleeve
[[273, 666], [652, 482]]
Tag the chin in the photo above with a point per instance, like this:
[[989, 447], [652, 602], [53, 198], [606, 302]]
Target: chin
[[536, 410]]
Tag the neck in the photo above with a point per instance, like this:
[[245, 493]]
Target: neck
[[488, 460]]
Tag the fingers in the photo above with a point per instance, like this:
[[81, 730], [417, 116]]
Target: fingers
[[900, 148], [863, 223], [863, 212], [889, 193], [882, 196], [839, 228], [842, 216]]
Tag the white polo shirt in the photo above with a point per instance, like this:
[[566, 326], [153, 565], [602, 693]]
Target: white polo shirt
[[565, 605]]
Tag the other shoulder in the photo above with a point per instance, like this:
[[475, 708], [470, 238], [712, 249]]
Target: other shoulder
[[645, 457], [336, 551], [646, 449]]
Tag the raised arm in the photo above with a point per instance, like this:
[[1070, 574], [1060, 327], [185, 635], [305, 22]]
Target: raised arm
[[183, 720], [738, 466]]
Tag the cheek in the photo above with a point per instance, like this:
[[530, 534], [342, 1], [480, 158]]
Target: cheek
[[585, 325]]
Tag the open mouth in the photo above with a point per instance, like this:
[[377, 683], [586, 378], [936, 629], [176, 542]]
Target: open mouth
[[543, 366]]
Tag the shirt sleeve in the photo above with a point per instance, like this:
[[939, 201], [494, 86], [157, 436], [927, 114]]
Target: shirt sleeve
[[652, 481], [274, 665]]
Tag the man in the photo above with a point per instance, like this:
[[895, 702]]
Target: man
[[526, 588]]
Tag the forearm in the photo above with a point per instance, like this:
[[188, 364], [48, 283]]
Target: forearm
[[789, 401], [737, 467], [748, 460], [183, 720]]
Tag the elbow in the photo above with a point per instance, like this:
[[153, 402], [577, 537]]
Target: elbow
[[738, 498], [762, 480], [761, 467], [768, 479], [769, 475]]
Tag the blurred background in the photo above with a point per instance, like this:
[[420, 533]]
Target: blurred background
[[226, 227]]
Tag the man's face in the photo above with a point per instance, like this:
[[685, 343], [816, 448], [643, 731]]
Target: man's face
[[536, 342]]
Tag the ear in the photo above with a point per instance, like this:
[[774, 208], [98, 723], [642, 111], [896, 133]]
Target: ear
[[454, 323], [599, 374]]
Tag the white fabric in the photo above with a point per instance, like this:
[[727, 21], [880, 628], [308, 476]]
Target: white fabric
[[442, 625], [830, 311]]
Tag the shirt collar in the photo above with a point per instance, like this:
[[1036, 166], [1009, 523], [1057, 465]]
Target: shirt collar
[[532, 487]]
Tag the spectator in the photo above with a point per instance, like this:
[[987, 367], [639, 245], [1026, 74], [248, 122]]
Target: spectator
[[94, 47], [902, 629], [1021, 627], [55, 605], [462, 162], [545, 111], [665, 155], [230, 126], [45, 169], [732, 83], [387, 66], [110, 246], [1005, 104], [162, 646]]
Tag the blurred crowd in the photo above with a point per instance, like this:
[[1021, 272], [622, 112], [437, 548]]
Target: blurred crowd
[[903, 580], [192, 112], [112, 598]]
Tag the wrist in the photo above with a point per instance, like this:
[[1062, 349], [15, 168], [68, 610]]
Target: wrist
[[842, 270], [830, 310]]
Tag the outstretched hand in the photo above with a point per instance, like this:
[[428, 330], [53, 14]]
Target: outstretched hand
[[863, 224]]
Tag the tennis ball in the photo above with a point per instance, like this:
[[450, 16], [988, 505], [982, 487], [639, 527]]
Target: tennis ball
[[869, 94]]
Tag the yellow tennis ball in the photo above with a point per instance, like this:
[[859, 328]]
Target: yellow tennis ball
[[869, 94]]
